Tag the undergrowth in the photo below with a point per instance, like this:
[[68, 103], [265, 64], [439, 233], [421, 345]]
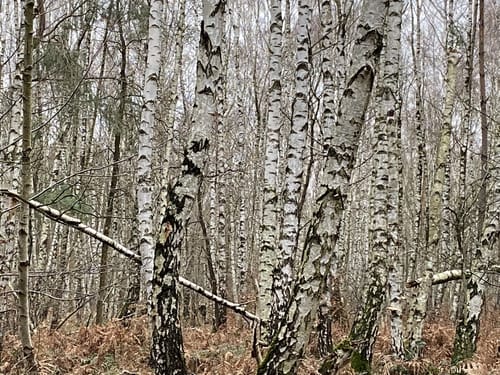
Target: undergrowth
[[121, 346]]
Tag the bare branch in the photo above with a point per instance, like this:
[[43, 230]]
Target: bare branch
[[450, 275], [76, 223]]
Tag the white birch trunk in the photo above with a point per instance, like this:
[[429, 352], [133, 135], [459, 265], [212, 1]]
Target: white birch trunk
[[239, 163], [421, 172], [221, 238], [10, 175], [468, 327], [383, 228], [325, 309], [268, 243], [343, 9], [419, 308], [242, 252], [172, 94], [233, 253], [289, 342], [467, 332], [26, 191], [167, 348], [394, 244], [145, 150], [294, 170], [14, 152], [213, 223]]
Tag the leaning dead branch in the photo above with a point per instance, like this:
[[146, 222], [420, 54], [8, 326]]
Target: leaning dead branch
[[77, 224], [450, 275]]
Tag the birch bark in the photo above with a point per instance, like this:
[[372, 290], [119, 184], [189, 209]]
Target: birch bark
[[167, 349], [421, 172], [325, 340], [221, 240], [144, 160], [267, 251], [419, 306], [395, 185], [289, 233], [11, 176], [171, 96], [468, 327], [289, 341], [240, 162], [484, 120], [459, 253], [26, 190], [358, 348]]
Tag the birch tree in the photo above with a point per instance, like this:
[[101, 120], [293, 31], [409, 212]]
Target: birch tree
[[267, 251], [467, 331], [289, 231], [11, 174], [167, 347], [117, 128], [468, 327], [392, 83], [463, 218], [421, 171], [327, 41], [26, 191], [289, 341], [419, 305], [484, 120], [144, 182], [358, 347]]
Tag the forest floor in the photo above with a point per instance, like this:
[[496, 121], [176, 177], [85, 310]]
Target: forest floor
[[124, 345]]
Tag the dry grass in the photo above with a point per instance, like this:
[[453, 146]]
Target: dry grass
[[121, 345]]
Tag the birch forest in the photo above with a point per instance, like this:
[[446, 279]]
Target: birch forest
[[269, 187]]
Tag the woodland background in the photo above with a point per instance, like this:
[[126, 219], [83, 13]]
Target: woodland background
[[88, 98]]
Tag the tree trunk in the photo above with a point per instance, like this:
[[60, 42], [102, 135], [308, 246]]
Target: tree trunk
[[358, 347], [145, 148], [395, 193], [460, 254], [221, 237], [282, 278], [117, 130], [324, 328], [419, 305], [9, 220], [167, 350], [421, 172], [267, 251], [467, 330], [26, 191], [484, 122], [171, 96], [289, 341]]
